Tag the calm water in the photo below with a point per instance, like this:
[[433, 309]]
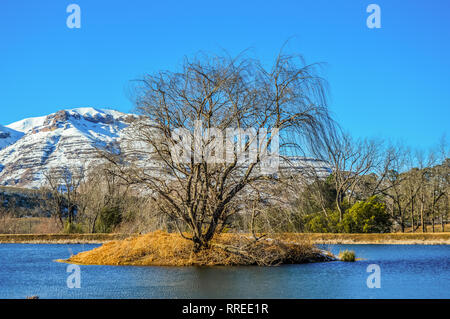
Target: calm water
[[407, 271]]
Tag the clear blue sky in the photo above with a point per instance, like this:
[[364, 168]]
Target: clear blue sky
[[392, 82]]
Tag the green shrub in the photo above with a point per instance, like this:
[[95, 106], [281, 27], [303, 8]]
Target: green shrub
[[321, 223], [368, 216], [318, 224], [347, 255]]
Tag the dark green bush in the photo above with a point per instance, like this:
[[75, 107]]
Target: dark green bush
[[109, 218], [368, 216], [321, 223]]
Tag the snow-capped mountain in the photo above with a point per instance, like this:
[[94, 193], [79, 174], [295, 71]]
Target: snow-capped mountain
[[68, 138], [8, 136]]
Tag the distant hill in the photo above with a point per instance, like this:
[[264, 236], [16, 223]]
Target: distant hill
[[22, 200]]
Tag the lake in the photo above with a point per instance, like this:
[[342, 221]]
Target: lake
[[406, 271]]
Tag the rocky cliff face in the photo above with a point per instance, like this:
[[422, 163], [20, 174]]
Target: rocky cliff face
[[67, 138]]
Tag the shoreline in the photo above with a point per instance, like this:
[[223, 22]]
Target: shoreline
[[313, 238], [371, 239], [60, 238]]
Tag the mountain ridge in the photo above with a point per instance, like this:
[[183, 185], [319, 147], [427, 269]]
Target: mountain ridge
[[32, 146]]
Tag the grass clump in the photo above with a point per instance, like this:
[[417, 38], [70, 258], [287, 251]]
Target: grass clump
[[168, 249], [347, 255]]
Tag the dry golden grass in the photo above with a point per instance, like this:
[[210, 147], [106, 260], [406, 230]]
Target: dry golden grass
[[167, 249], [309, 238], [388, 238], [28, 225], [312, 238], [59, 238]]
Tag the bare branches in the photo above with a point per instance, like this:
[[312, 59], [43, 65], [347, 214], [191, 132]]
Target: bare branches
[[350, 161], [221, 93]]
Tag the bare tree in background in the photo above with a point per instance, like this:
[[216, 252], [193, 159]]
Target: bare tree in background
[[350, 161], [222, 93], [101, 190], [62, 192]]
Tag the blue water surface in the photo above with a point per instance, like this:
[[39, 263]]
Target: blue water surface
[[406, 271]]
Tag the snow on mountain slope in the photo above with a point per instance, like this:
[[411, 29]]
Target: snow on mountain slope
[[8, 136], [27, 125], [65, 138]]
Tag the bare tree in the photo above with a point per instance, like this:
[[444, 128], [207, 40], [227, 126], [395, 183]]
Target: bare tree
[[221, 93], [61, 191], [101, 190], [350, 160]]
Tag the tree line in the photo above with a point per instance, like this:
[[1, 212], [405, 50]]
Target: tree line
[[373, 187]]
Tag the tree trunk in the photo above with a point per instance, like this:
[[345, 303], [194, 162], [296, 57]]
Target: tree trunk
[[402, 221], [93, 224], [432, 216], [422, 222], [199, 243], [339, 208]]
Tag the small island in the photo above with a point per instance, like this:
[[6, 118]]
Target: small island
[[168, 249]]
